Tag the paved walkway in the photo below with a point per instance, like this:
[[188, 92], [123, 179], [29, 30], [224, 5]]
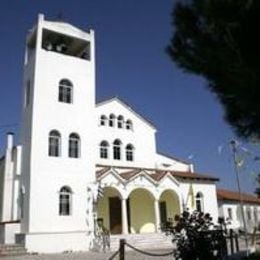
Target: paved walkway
[[130, 255]]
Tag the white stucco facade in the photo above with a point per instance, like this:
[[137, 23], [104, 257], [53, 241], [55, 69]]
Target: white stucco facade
[[69, 146], [230, 205]]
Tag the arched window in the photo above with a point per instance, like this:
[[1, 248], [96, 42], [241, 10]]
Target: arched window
[[120, 121], [129, 152], [103, 120], [112, 120], [54, 143], [65, 201], [74, 145], [104, 149], [65, 91], [199, 202], [117, 149], [129, 125]]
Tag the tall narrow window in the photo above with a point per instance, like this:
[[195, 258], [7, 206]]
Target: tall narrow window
[[74, 146], [120, 122], [104, 150], [117, 149], [249, 214], [54, 143], [129, 125], [230, 213], [65, 201], [112, 120], [103, 120], [129, 152], [65, 91], [199, 202]]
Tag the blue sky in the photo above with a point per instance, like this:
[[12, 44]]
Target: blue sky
[[131, 63]]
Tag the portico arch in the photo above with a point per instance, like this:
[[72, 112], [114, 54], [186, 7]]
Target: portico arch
[[109, 209], [169, 205], [141, 211]]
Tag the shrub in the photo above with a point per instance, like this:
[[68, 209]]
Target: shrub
[[196, 237]]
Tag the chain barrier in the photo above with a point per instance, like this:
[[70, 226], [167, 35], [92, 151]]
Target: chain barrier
[[148, 253], [114, 255]]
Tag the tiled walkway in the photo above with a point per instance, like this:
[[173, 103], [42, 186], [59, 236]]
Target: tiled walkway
[[130, 255]]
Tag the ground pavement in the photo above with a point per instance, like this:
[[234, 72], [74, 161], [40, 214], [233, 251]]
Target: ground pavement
[[130, 255]]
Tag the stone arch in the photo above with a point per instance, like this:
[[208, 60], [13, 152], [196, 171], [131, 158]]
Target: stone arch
[[169, 206], [109, 209], [141, 211]]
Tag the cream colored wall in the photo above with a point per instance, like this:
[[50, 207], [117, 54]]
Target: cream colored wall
[[103, 205], [142, 214], [172, 204]]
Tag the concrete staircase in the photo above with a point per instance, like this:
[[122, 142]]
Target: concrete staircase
[[143, 241], [12, 250]]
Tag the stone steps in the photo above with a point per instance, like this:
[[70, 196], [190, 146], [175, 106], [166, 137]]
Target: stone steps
[[12, 250], [142, 241]]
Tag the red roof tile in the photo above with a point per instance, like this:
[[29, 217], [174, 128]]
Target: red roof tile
[[102, 171], [191, 175], [128, 175], [157, 174], [234, 196]]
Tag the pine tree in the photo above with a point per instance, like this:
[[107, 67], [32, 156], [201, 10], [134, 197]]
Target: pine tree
[[219, 40]]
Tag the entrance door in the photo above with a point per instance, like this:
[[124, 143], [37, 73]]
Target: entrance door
[[115, 215], [163, 213]]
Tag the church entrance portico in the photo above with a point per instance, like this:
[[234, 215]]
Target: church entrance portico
[[137, 202], [142, 213], [169, 207], [109, 208]]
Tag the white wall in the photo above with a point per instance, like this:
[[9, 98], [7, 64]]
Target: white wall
[[1, 185], [164, 162], [42, 175], [237, 222], [208, 190], [142, 136]]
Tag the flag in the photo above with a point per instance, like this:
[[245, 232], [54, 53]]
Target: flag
[[190, 157], [239, 162], [191, 194], [220, 148]]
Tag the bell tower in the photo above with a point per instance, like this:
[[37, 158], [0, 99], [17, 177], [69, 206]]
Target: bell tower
[[57, 136]]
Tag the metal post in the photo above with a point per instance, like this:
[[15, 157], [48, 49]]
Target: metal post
[[236, 243], [122, 249], [231, 237], [234, 151]]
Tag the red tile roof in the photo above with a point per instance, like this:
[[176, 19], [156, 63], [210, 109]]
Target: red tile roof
[[102, 171], [157, 175], [234, 196], [191, 175], [128, 175]]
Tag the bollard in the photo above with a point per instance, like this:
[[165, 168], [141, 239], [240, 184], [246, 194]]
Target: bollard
[[122, 249], [236, 243], [231, 241]]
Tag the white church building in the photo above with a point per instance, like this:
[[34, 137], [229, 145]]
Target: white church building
[[71, 150]]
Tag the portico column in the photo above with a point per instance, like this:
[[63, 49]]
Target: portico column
[[124, 216], [157, 215]]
